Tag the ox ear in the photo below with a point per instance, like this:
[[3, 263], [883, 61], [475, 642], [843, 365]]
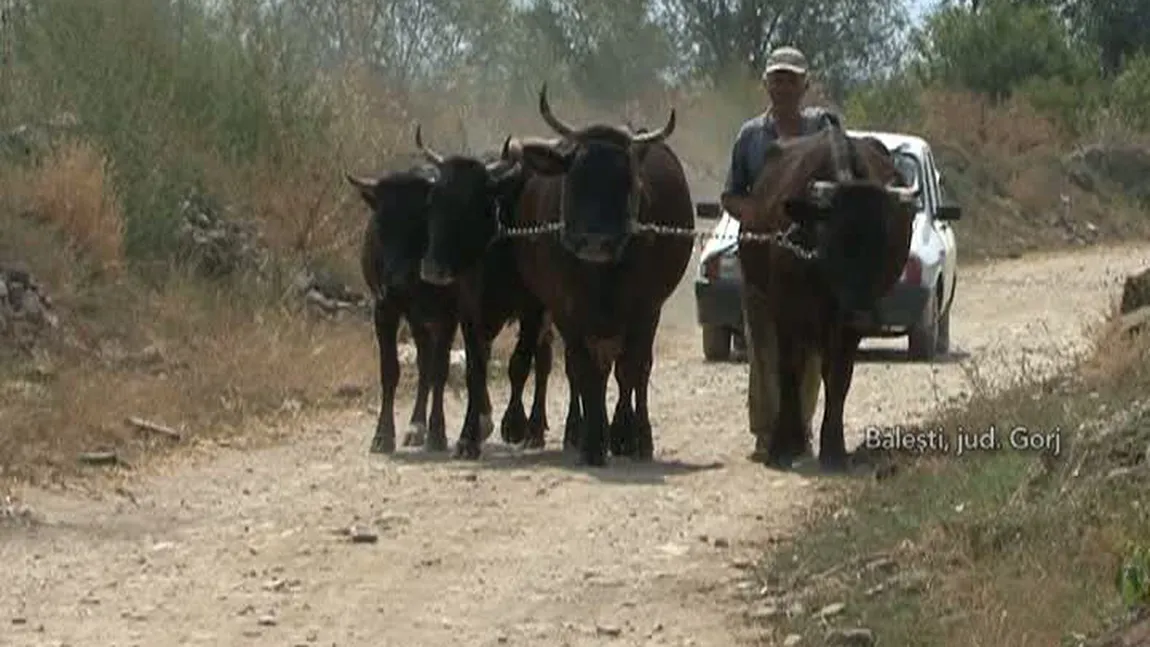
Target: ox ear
[[367, 188], [501, 177], [546, 159], [802, 210]]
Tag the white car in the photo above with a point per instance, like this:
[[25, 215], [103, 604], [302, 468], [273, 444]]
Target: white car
[[918, 306]]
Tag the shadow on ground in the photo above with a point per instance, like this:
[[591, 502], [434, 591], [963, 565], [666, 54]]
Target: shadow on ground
[[900, 356], [885, 355], [498, 456]]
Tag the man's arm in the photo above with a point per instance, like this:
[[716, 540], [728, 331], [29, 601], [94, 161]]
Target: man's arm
[[738, 184]]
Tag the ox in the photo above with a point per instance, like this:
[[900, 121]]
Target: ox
[[602, 280], [466, 249], [842, 237], [393, 243]]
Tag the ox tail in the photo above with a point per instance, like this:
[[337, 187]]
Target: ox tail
[[812, 381]]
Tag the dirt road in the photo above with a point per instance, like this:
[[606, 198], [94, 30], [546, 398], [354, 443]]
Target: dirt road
[[239, 549]]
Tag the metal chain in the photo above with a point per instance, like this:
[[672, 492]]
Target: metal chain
[[778, 238]]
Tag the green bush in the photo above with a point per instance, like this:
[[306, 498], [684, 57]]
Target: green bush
[[166, 88], [1000, 46], [1072, 105], [1134, 578], [1130, 94], [890, 104]]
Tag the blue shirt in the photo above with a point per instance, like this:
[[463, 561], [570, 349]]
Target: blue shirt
[[749, 153]]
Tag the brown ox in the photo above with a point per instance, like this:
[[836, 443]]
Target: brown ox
[[603, 281], [831, 192]]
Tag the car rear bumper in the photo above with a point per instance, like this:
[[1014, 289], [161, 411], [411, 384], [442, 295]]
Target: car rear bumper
[[718, 303], [903, 306]]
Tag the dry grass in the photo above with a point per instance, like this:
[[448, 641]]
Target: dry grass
[[73, 192], [183, 353], [183, 357], [1008, 547]]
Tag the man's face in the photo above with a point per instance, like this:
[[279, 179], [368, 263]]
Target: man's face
[[786, 89]]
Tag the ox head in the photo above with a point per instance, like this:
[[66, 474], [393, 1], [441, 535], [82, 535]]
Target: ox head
[[463, 210], [602, 192], [854, 220], [397, 232]]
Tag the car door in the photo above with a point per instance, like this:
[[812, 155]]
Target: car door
[[946, 233]]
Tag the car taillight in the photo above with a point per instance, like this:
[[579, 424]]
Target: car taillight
[[711, 268], [912, 271]]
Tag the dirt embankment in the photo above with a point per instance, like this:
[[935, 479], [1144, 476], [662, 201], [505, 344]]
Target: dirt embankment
[[229, 547]]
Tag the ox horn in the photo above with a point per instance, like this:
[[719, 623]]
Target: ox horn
[[505, 161], [653, 136], [432, 156], [553, 121], [361, 183]]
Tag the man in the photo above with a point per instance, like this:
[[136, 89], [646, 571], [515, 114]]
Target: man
[[786, 82]]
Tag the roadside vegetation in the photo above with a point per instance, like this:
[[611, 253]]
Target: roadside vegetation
[[1016, 546], [178, 243]]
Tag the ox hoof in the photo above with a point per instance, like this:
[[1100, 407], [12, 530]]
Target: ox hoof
[[513, 428], [486, 426], [535, 441], [593, 458], [772, 460], [416, 435], [467, 451], [383, 444], [436, 442], [834, 463]]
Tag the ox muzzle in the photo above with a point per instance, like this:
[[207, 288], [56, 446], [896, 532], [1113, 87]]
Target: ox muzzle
[[595, 248], [435, 273], [607, 242]]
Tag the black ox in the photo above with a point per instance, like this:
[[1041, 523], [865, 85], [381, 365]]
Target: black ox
[[466, 249], [393, 243], [602, 279]]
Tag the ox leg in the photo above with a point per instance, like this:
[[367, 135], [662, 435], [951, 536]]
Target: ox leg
[[592, 385], [812, 382], [478, 403], [424, 358], [643, 360], [537, 425], [513, 428], [573, 430], [386, 328], [838, 369], [631, 428], [440, 366], [623, 422]]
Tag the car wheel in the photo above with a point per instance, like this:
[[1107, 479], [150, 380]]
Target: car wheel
[[922, 342], [942, 343], [716, 343], [738, 346]]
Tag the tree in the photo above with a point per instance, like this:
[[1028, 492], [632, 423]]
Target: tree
[[996, 48], [845, 40]]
